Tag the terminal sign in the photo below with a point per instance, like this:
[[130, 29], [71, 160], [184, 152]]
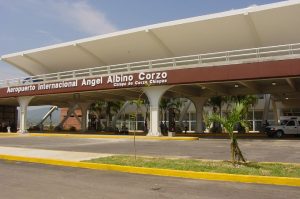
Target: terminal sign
[[143, 79], [114, 81]]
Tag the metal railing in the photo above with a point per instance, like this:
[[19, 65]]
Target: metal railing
[[199, 60]]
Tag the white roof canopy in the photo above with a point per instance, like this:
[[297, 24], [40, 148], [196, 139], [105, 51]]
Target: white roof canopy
[[266, 25]]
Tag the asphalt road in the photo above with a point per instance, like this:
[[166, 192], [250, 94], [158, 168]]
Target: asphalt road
[[34, 181], [272, 150]]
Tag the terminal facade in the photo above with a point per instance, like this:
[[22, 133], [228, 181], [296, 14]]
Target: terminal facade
[[238, 52], [186, 118]]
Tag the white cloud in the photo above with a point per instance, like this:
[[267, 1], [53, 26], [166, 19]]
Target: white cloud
[[10, 72], [52, 39], [83, 17], [78, 14]]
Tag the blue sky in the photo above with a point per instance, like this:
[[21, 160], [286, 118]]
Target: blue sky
[[30, 24]]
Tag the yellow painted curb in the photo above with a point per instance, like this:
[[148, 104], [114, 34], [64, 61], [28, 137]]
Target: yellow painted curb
[[164, 172], [8, 135], [239, 135], [112, 136]]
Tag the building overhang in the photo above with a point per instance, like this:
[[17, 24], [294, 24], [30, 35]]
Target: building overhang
[[255, 26]]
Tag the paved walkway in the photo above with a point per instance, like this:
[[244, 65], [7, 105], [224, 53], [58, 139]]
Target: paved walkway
[[50, 154], [267, 150]]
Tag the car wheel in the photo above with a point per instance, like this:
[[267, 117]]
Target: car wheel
[[279, 134]]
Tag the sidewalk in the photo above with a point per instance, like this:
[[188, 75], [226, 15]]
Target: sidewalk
[[50, 154]]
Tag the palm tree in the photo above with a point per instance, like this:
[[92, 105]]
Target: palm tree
[[247, 100], [175, 106], [216, 103], [97, 109], [147, 114], [106, 108], [170, 105], [163, 106], [229, 121], [139, 103], [111, 107]]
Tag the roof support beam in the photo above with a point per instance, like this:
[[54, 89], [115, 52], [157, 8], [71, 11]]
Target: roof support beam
[[34, 60], [137, 91], [127, 93], [217, 89], [252, 29], [102, 97], [291, 84], [19, 66], [186, 91], [170, 94], [205, 92], [251, 86], [113, 96], [130, 94], [133, 93], [89, 53], [163, 46]]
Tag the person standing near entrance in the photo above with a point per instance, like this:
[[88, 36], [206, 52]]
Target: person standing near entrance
[[8, 127]]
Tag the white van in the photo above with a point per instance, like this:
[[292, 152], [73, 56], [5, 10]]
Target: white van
[[288, 125]]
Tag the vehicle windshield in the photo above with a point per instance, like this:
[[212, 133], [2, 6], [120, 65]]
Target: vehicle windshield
[[283, 122]]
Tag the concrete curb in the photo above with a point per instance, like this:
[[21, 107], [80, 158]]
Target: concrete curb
[[113, 136], [286, 181], [8, 135], [238, 135]]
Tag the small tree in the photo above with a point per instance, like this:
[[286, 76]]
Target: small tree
[[138, 102], [229, 121]]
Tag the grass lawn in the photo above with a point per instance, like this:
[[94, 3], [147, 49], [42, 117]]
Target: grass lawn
[[250, 168]]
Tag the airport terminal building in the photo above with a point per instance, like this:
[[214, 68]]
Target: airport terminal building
[[251, 51]]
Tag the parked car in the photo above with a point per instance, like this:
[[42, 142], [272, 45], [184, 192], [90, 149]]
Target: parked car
[[288, 125]]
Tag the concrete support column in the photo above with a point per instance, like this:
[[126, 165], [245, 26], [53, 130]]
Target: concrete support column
[[183, 113], [154, 95], [280, 113], [274, 108], [23, 103], [266, 108], [190, 122], [276, 111], [253, 118], [84, 114], [199, 103]]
